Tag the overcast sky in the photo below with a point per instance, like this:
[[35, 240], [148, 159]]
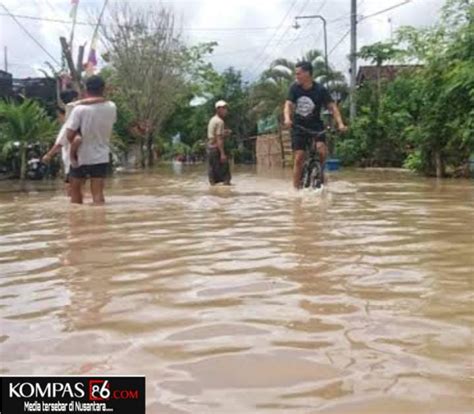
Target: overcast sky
[[250, 33]]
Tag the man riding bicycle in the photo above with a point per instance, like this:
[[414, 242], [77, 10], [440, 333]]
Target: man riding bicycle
[[305, 99]]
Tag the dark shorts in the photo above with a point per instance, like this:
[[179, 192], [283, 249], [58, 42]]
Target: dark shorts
[[218, 172], [90, 171], [66, 178], [301, 140]]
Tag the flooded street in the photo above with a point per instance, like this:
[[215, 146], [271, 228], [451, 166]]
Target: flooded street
[[250, 299]]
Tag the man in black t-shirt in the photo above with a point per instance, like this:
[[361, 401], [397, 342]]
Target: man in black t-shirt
[[305, 100]]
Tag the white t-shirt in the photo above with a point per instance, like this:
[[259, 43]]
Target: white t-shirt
[[95, 123], [61, 139], [65, 147]]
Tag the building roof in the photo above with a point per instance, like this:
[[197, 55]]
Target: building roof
[[387, 72], [5, 75]]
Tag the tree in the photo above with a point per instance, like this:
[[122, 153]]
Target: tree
[[24, 124], [197, 106], [379, 53], [424, 118], [147, 63], [444, 132]]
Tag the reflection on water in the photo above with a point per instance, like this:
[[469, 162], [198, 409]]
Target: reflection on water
[[248, 299]]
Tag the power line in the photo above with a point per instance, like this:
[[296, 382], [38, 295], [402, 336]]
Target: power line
[[275, 33], [305, 29], [307, 25], [265, 59], [303, 8], [339, 42], [29, 34], [385, 10], [365, 18], [246, 50], [195, 29], [54, 11]]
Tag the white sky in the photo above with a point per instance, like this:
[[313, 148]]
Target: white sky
[[250, 33]]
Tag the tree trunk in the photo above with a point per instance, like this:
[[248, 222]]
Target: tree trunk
[[280, 137], [439, 164], [379, 85], [142, 152], [149, 148], [23, 162]]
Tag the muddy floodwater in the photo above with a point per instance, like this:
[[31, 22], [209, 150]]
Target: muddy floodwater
[[249, 299]]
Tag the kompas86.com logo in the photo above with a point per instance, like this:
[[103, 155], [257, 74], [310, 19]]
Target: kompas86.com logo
[[100, 390]]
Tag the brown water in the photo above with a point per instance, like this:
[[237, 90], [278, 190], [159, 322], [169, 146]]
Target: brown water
[[251, 299]]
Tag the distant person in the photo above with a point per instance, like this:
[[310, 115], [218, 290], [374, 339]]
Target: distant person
[[61, 143], [306, 98], [90, 151], [219, 168]]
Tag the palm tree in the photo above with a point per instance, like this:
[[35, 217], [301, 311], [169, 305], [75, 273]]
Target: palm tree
[[286, 68], [268, 96], [24, 124], [379, 53], [269, 93]]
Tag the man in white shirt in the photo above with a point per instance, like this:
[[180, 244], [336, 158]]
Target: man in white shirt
[[218, 163], [69, 99], [90, 153]]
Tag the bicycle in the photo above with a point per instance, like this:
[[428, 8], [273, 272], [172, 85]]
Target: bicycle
[[313, 172]]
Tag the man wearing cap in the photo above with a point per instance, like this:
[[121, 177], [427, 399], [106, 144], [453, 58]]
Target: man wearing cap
[[90, 151], [219, 169]]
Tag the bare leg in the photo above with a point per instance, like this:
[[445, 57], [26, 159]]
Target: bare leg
[[298, 168], [97, 190], [76, 190]]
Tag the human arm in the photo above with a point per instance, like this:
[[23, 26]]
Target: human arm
[[60, 141], [72, 127], [287, 113], [220, 147], [337, 116], [51, 153]]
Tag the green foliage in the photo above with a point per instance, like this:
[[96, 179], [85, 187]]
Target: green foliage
[[414, 161], [379, 52], [24, 123], [190, 121], [424, 119]]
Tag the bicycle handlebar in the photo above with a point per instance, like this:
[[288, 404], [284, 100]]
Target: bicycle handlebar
[[313, 132]]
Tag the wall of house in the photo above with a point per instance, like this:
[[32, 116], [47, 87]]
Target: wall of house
[[273, 150]]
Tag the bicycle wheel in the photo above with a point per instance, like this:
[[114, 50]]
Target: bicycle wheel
[[316, 177], [306, 176]]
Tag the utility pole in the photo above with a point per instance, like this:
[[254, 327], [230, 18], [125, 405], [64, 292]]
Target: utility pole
[[296, 26], [353, 58], [5, 54]]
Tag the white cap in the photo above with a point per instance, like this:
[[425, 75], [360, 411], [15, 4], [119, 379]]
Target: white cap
[[220, 104]]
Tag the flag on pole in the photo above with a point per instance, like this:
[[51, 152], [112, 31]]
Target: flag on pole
[[74, 4], [92, 58]]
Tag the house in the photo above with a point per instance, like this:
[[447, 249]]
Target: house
[[6, 84], [40, 88], [387, 72]]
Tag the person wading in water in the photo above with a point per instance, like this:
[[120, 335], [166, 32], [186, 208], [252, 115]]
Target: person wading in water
[[219, 168]]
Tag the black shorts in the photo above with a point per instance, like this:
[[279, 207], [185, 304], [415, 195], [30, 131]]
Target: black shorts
[[90, 171], [218, 171], [301, 140]]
